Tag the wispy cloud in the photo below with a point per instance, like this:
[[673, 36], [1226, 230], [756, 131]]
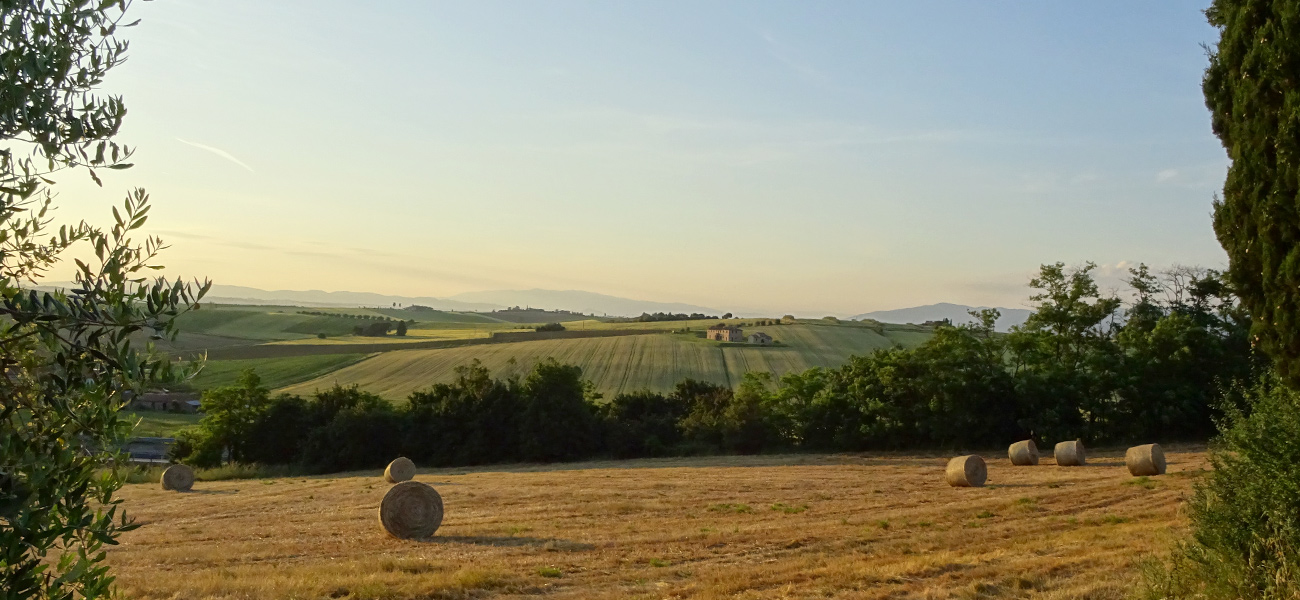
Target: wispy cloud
[[783, 55], [217, 151], [1166, 175]]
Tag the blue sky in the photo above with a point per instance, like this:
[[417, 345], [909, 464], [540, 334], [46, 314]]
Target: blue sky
[[818, 158]]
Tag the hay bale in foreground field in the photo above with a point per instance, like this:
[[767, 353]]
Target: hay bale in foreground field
[[179, 478], [966, 471], [411, 510], [1023, 453], [1145, 460], [401, 469], [1070, 454]]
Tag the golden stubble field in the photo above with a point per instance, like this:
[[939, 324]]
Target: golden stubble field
[[806, 526]]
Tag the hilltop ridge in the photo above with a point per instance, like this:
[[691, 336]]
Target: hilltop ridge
[[957, 313]]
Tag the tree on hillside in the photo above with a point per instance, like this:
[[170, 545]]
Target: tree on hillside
[[401, 329], [378, 329], [1253, 94], [69, 358]]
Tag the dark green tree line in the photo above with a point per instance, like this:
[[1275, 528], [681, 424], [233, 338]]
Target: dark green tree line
[[1086, 366]]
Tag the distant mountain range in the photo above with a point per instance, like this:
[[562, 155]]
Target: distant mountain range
[[573, 300], [580, 301], [957, 313], [238, 294]]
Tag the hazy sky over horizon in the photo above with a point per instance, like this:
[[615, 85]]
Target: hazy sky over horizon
[[819, 158]]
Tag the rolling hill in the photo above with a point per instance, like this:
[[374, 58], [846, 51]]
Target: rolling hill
[[300, 349], [483, 301], [624, 363], [580, 301], [957, 313]]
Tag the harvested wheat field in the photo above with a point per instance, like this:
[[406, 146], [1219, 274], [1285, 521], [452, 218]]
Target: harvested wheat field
[[823, 526]]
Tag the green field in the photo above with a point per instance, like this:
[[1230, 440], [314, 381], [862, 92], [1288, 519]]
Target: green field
[[234, 325], [275, 372], [629, 360], [249, 323], [160, 424], [624, 363]]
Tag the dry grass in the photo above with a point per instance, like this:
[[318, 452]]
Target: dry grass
[[877, 526]]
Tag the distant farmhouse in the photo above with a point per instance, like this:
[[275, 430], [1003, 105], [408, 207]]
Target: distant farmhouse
[[725, 333], [168, 401], [760, 338]]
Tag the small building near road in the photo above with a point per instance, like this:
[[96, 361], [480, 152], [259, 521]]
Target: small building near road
[[725, 333], [760, 338], [185, 402]]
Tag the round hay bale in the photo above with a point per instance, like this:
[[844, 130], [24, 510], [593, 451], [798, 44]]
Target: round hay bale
[[1145, 460], [966, 471], [1023, 453], [401, 469], [411, 510], [179, 478], [1070, 454]]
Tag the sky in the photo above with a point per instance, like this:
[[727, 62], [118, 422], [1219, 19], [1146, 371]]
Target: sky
[[814, 158]]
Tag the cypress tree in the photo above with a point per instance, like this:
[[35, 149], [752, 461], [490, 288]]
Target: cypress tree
[[1252, 88]]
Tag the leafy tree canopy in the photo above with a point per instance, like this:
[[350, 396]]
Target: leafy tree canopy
[[69, 357], [1253, 93]]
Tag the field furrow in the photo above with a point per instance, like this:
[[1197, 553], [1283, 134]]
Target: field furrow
[[613, 364]]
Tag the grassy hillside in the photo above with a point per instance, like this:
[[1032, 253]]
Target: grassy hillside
[[254, 337], [435, 316], [412, 335], [261, 323], [533, 315], [275, 372], [227, 325], [160, 424], [622, 364]]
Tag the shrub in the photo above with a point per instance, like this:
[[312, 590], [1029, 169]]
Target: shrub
[[642, 424], [356, 438], [277, 436], [195, 447], [722, 421], [1245, 514], [549, 327]]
